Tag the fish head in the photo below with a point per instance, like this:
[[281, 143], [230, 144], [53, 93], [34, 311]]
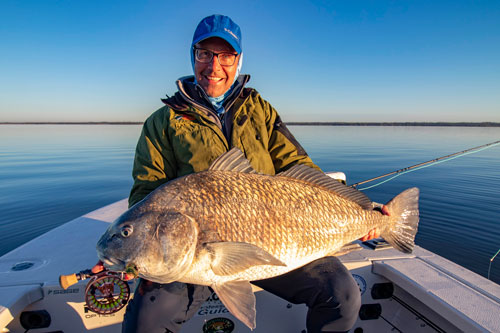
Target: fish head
[[158, 245]]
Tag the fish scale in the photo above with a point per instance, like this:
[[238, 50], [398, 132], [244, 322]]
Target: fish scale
[[288, 224]]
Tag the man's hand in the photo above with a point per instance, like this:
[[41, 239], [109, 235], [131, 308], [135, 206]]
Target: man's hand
[[99, 267], [375, 232]]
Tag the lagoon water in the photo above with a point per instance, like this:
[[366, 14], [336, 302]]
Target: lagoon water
[[51, 174]]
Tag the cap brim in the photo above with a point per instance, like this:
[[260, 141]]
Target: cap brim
[[228, 38]]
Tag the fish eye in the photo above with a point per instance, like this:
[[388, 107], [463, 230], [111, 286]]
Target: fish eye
[[127, 231]]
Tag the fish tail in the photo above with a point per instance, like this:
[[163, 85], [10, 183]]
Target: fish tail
[[403, 210]]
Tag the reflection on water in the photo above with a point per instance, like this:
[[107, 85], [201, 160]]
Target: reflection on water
[[50, 174]]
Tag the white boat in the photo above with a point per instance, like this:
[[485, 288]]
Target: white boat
[[418, 292]]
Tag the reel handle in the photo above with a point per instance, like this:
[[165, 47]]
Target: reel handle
[[65, 281]]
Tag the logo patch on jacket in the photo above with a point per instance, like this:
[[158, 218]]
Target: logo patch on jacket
[[184, 117]]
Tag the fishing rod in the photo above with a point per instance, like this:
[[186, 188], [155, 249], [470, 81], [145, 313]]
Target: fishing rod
[[424, 164]]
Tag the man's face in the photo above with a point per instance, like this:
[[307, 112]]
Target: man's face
[[212, 77]]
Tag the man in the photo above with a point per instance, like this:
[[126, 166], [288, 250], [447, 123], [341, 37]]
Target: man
[[212, 112]]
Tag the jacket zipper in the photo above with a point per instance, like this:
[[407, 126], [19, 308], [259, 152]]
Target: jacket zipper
[[220, 130]]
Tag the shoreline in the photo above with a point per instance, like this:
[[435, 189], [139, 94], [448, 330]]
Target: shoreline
[[408, 123], [290, 123]]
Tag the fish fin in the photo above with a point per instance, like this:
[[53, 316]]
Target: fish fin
[[233, 160], [404, 208], [232, 257], [306, 173], [238, 298]]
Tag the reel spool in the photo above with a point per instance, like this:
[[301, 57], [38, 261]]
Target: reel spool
[[106, 293]]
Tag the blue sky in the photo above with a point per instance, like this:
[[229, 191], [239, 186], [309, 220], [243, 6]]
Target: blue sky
[[97, 60]]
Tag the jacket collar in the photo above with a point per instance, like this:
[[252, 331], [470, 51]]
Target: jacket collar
[[193, 94]]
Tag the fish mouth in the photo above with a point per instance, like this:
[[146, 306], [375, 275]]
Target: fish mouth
[[117, 265], [113, 264]]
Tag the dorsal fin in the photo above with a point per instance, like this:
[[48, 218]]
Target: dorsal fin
[[304, 172], [233, 160]]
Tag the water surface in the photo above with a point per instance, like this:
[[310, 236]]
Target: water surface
[[50, 174]]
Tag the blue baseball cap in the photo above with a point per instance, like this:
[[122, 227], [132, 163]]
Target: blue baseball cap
[[218, 26]]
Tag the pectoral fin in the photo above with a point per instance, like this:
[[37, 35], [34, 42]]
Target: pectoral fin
[[229, 258], [239, 299]]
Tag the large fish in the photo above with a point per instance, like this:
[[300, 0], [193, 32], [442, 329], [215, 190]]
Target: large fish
[[230, 225]]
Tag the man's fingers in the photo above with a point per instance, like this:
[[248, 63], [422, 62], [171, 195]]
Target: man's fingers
[[99, 267], [374, 233]]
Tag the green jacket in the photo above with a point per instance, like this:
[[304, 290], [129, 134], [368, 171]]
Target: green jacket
[[186, 136]]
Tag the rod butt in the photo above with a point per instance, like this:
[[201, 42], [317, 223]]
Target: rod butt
[[67, 280]]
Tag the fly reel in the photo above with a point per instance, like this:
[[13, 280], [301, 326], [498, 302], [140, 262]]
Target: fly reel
[[106, 293]]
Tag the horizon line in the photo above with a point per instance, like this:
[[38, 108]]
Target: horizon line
[[291, 123]]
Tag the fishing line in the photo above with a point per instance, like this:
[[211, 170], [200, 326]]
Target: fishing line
[[491, 260], [419, 166]]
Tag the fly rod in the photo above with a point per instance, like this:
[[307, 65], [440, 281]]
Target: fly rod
[[424, 164]]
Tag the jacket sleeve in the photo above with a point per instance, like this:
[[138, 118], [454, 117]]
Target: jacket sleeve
[[284, 149], [154, 162]]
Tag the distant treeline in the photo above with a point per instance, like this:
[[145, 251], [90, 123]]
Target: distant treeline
[[459, 124], [312, 123], [74, 123]]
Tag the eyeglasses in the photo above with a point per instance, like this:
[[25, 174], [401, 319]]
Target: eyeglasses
[[205, 56]]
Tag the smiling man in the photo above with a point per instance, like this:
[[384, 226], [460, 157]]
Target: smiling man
[[216, 49], [212, 112]]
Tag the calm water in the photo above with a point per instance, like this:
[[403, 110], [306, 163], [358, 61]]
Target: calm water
[[50, 174]]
